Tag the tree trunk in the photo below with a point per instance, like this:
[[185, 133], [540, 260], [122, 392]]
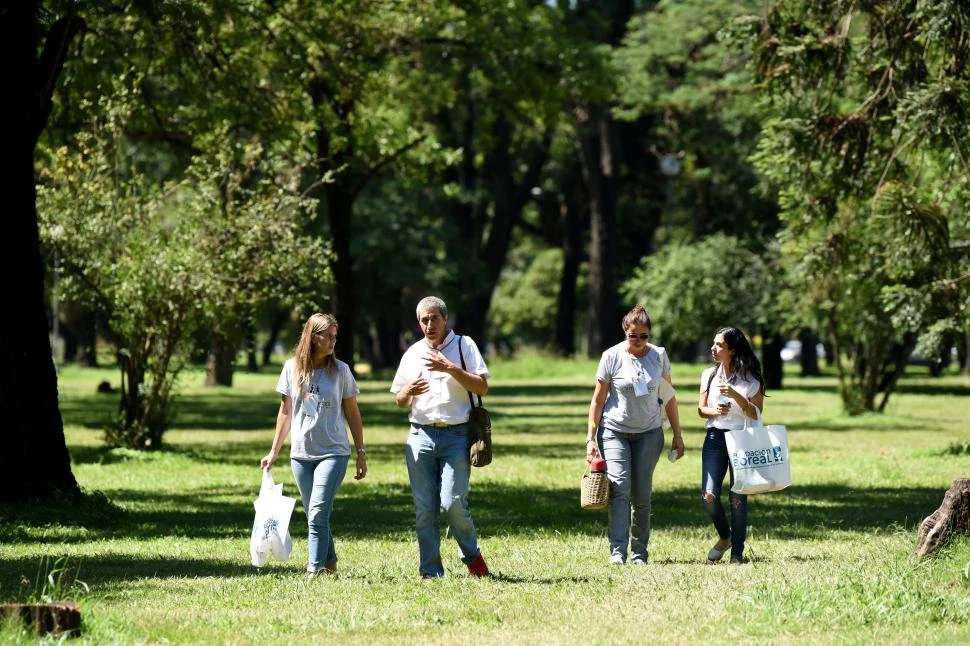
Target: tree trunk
[[809, 355], [340, 210], [572, 247], [507, 199], [252, 365], [78, 328], [58, 618], [220, 362], [951, 517], [388, 342], [771, 361], [37, 461], [597, 155], [965, 371], [279, 320]]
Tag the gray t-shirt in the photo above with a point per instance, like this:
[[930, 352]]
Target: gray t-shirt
[[318, 427], [633, 405]]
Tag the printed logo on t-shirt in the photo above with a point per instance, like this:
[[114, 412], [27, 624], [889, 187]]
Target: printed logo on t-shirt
[[313, 403]]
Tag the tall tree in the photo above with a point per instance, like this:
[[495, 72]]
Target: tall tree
[[38, 463], [365, 99], [508, 65], [870, 151], [161, 262], [695, 89], [599, 151]]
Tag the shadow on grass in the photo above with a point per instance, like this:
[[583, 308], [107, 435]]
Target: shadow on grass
[[499, 509], [362, 511], [109, 567], [229, 410]]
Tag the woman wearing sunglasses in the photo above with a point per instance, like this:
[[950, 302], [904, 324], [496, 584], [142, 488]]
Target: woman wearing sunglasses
[[625, 427]]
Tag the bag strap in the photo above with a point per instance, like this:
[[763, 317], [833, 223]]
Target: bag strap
[[711, 379], [462, 357]]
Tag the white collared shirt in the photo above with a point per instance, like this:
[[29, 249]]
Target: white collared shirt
[[447, 400], [735, 420]]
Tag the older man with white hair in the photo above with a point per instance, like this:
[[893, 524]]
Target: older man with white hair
[[433, 380]]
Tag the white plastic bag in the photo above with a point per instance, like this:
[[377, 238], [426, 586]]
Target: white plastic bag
[[271, 527], [759, 458]]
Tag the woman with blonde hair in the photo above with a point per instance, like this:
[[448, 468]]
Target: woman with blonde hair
[[318, 402]]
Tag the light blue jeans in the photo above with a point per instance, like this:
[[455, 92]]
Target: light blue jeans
[[630, 462], [318, 482], [439, 469]]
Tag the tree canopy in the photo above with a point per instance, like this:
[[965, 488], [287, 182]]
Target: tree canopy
[[868, 147]]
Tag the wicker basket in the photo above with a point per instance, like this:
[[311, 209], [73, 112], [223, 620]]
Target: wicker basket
[[595, 490]]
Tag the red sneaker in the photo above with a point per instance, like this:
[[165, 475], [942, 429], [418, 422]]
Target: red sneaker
[[478, 567]]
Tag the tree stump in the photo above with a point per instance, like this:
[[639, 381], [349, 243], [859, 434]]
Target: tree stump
[[44, 618], [953, 516]]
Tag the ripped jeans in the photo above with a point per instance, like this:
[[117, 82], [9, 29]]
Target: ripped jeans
[[714, 466]]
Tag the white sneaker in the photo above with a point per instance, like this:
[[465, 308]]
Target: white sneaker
[[617, 559], [719, 550]]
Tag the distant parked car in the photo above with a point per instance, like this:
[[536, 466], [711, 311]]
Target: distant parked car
[[935, 364], [793, 350]]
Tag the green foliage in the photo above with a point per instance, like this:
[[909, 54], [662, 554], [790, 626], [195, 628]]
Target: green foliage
[[56, 581], [161, 263], [957, 448], [868, 151], [679, 74], [523, 307], [692, 289]]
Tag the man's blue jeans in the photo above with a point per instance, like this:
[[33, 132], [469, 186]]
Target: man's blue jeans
[[318, 482], [630, 462], [439, 469], [715, 464]]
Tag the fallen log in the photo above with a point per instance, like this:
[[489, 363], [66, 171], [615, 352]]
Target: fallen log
[[952, 517], [46, 618]]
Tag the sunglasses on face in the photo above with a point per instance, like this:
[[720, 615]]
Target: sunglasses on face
[[642, 337]]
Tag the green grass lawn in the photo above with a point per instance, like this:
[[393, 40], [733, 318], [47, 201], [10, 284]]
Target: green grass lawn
[[165, 554]]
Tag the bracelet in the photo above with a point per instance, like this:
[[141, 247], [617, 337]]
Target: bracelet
[[588, 440], [361, 451]]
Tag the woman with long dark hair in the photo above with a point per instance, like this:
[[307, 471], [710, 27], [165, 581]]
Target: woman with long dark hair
[[732, 392]]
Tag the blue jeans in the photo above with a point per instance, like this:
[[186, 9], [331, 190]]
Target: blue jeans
[[439, 469], [630, 462], [318, 481], [714, 465]]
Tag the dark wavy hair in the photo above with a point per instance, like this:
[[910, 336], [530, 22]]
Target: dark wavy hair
[[744, 362]]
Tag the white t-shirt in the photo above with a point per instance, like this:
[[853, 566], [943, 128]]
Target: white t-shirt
[[318, 427], [447, 400], [633, 405], [735, 419]]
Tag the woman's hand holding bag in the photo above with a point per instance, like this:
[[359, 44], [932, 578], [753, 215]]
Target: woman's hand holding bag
[[758, 455], [271, 526]]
